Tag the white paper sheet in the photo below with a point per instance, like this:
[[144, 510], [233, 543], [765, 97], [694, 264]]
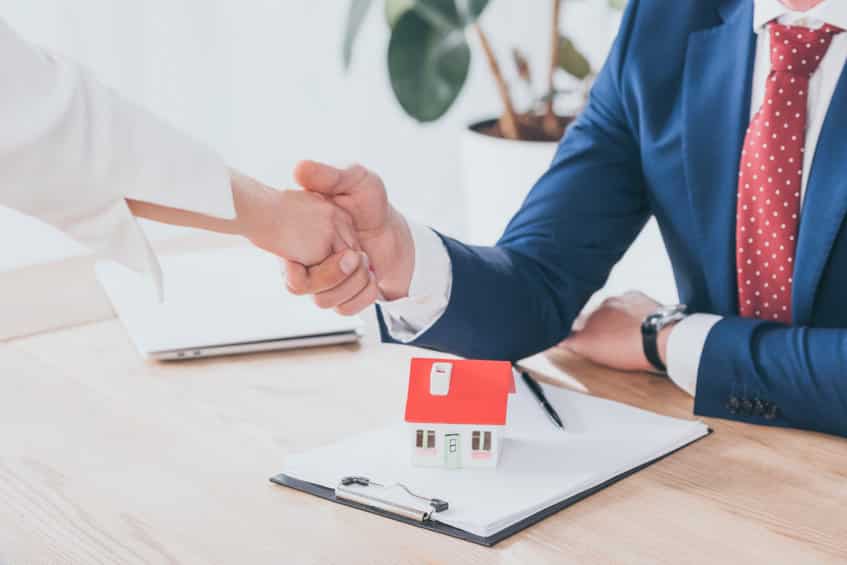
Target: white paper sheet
[[539, 466]]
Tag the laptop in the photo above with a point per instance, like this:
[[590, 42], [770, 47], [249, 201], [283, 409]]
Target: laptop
[[219, 302]]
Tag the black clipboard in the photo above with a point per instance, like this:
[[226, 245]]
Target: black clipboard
[[433, 525]]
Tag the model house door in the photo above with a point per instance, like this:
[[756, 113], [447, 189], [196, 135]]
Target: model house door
[[452, 451]]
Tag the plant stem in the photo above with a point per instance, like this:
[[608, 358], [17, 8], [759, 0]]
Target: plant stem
[[551, 124], [509, 119]]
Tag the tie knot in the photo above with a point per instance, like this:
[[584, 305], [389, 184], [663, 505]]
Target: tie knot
[[798, 49]]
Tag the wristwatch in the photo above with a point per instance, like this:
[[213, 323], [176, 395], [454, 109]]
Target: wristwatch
[[652, 325]]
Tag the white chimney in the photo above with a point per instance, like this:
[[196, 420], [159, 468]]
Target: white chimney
[[439, 378]]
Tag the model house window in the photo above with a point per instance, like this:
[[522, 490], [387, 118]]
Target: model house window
[[430, 439], [425, 439], [481, 441]]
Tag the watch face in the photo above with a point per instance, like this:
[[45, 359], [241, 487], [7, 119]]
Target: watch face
[[665, 315], [667, 310], [652, 322]]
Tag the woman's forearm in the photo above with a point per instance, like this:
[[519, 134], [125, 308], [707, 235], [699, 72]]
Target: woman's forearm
[[248, 195]]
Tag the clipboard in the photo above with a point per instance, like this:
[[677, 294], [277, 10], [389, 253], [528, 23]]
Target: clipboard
[[386, 509]]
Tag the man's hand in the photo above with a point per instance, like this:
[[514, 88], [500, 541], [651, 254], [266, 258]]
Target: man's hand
[[315, 237], [379, 228], [611, 334], [343, 282]]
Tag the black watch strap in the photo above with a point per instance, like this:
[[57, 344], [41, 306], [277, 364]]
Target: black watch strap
[[650, 341], [650, 328]]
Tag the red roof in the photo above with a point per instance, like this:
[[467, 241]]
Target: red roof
[[478, 393]]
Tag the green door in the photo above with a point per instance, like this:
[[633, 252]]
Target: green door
[[452, 451]]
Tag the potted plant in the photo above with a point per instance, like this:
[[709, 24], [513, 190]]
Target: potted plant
[[429, 58]]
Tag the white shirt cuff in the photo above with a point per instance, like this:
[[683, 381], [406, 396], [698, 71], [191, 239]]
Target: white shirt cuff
[[685, 348], [429, 291]]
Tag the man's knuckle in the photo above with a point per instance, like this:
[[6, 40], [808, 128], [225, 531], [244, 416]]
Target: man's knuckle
[[372, 293], [332, 277], [337, 278], [359, 176], [363, 278], [323, 301], [358, 169], [295, 288]]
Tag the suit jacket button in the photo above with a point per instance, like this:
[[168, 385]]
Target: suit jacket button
[[733, 404], [772, 413], [747, 407], [760, 407]]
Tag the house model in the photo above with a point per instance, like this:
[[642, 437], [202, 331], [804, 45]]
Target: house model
[[456, 411]]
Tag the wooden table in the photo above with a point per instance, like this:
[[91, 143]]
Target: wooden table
[[105, 458]]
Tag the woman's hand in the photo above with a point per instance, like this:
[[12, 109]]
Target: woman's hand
[[296, 225], [315, 236]]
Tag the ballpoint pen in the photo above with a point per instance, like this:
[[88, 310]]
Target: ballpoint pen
[[538, 392]]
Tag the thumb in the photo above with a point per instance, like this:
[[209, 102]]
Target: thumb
[[573, 342], [317, 177], [324, 276], [580, 322]]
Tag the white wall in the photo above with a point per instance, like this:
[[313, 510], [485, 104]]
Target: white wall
[[260, 80]]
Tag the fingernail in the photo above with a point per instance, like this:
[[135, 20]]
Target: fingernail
[[366, 261], [349, 262]]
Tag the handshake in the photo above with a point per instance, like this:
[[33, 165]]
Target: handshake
[[341, 240]]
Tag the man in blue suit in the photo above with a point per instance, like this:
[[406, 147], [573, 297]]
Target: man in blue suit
[[724, 119]]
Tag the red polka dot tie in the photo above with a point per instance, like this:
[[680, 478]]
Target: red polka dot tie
[[771, 174]]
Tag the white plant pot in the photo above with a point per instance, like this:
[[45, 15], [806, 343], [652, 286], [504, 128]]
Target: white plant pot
[[497, 175]]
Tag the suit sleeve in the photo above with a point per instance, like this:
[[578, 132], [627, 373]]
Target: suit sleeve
[[72, 151], [766, 373], [522, 295]]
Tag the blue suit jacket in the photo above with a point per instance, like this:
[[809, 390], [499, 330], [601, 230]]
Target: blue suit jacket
[[662, 136]]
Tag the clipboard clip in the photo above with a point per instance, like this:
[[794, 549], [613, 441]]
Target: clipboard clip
[[346, 490]]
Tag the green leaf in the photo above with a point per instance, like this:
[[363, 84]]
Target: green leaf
[[355, 17], [396, 8], [617, 4], [428, 65], [571, 60]]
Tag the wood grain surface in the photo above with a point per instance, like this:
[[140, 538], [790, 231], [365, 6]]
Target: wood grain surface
[[106, 458]]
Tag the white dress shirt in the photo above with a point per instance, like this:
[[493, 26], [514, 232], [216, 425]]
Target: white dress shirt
[[72, 151], [429, 293]]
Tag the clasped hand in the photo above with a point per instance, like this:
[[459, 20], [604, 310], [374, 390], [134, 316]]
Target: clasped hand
[[341, 240], [344, 244]]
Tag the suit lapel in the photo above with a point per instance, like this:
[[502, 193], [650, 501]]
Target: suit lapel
[[824, 206], [716, 113]]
